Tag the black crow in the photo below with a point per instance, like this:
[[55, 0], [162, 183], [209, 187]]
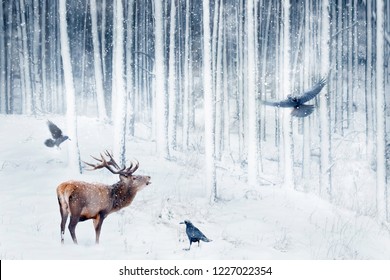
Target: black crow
[[194, 234], [300, 109], [56, 133]]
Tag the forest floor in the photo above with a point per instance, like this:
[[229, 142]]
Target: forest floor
[[265, 222]]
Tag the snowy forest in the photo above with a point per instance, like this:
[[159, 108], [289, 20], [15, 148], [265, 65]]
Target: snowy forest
[[189, 78]]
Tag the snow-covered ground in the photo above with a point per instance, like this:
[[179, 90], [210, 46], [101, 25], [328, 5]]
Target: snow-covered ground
[[248, 223]]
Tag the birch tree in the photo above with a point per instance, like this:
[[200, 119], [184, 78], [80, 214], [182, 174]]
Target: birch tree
[[118, 85], [325, 167], [97, 63], [25, 64], [2, 62], [209, 107], [160, 92], [172, 122], [251, 80], [71, 118], [286, 89], [381, 189]]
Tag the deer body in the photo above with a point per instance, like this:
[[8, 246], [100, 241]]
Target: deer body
[[84, 201]]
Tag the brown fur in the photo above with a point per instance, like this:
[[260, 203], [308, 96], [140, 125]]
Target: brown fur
[[84, 201]]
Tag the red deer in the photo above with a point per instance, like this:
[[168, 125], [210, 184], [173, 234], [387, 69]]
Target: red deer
[[84, 201]]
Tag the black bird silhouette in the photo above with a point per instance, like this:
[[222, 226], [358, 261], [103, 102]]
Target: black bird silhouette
[[300, 109], [56, 133], [194, 234]]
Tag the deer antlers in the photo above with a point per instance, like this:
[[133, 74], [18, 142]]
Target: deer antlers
[[112, 163]]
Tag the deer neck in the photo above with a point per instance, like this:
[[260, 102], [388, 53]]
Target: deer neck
[[122, 195]]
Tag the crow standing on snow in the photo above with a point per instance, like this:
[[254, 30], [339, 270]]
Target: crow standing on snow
[[56, 133], [300, 109], [194, 234]]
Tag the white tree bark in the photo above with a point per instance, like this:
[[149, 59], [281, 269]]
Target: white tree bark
[[25, 61], [325, 176], [2, 64], [187, 111], [209, 107], [288, 147], [118, 86], [37, 57], [172, 128], [252, 139], [381, 189], [160, 92], [129, 69], [73, 148], [102, 113]]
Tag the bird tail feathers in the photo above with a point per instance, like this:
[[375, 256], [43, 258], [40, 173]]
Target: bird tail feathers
[[302, 111]]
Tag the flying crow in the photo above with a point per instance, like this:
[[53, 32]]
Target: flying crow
[[297, 101], [194, 234], [56, 133]]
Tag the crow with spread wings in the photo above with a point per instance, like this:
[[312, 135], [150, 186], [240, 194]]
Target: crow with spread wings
[[300, 110], [57, 135]]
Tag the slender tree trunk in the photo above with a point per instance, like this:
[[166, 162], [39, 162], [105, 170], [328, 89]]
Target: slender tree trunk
[[369, 87], [103, 41], [240, 84], [118, 85], [161, 102], [43, 61], [25, 57], [74, 153], [102, 113], [325, 147], [286, 88], [381, 187], [306, 147], [3, 69], [187, 110], [37, 58], [209, 107], [252, 139], [218, 81], [130, 69], [172, 122]]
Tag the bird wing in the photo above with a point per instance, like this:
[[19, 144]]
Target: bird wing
[[194, 232], [283, 103], [310, 94], [54, 130]]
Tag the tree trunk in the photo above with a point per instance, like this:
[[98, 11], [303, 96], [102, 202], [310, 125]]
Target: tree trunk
[[172, 122], [101, 106], [160, 92], [286, 88], [2, 63], [209, 107], [73, 148], [252, 139], [325, 167], [118, 86], [381, 188]]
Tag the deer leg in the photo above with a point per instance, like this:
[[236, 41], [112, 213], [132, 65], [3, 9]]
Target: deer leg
[[72, 227], [64, 216], [97, 222]]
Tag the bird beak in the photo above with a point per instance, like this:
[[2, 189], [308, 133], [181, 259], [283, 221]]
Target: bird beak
[[181, 223]]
